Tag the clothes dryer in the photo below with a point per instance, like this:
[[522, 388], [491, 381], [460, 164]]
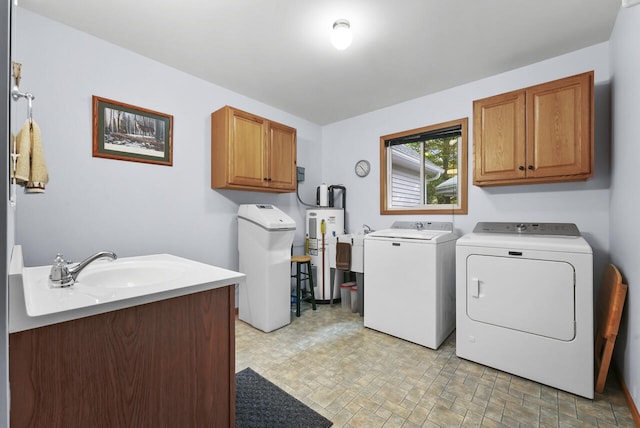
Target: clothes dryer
[[524, 302]]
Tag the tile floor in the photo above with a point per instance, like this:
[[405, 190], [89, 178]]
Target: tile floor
[[358, 377]]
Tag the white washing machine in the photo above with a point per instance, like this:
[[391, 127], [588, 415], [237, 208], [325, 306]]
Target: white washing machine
[[265, 235], [525, 302], [410, 273]]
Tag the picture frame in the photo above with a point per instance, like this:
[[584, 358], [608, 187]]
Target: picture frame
[[125, 132]]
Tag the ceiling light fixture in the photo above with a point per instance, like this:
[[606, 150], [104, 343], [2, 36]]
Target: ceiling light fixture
[[341, 35]]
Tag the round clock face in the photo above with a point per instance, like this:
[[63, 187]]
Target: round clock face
[[362, 168]]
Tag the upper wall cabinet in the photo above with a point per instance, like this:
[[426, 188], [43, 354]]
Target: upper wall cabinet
[[539, 134], [249, 152]]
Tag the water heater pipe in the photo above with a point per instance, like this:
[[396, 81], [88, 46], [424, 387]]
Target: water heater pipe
[[344, 200]]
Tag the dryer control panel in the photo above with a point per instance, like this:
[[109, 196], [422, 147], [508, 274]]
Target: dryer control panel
[[564, 229]]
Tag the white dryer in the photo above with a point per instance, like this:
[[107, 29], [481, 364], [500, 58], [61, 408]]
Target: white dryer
[[410, 275], [524, 302]]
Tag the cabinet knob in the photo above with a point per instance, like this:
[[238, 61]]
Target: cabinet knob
[[531, 167], [265, 179], [521, 168]]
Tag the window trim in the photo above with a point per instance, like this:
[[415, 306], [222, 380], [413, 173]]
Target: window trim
[[463, 167]]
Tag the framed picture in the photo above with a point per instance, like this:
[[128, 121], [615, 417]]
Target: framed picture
[[125, 132]]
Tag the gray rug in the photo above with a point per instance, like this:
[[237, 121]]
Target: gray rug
[[261, 404]]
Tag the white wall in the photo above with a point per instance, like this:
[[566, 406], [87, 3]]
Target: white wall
[[94, 204], [625, 197], [584, 203]]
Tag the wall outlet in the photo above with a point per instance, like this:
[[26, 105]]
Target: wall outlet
[[300, 174]]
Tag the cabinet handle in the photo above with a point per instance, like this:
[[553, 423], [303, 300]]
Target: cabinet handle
[[531, 167], [265, 179], [521, 168], [269, 179]]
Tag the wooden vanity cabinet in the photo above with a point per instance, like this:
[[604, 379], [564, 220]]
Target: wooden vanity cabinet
[[249, 152], [539, 134], [170, 363]]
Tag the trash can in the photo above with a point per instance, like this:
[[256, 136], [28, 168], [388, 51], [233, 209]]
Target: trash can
[[345, 296], [354, 298]]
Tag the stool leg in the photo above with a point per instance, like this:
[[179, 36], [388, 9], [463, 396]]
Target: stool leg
[[310, 276], [298, 291]]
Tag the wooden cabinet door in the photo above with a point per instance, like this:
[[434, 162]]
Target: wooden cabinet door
[[559, 128], [247, 154], [539, 134], [282, 157], [499, 138], [169, 363]]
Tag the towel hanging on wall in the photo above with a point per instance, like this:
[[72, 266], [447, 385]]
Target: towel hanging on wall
[[21, 147], [31, 168]]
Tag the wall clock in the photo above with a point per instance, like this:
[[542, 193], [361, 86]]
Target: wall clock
[[362, 168]]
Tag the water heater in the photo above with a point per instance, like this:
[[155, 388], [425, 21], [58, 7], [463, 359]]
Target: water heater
[[322, 224]]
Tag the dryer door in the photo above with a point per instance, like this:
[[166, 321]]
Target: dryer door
[[529, 295]]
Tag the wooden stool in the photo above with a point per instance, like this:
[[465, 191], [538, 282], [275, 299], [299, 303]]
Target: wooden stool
[[303, 276]]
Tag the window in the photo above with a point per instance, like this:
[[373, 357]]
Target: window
[[424, 171]]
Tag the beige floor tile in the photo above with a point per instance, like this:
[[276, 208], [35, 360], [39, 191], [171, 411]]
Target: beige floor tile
[[366, 418], [361, 378], [394, 421], [445, 417]]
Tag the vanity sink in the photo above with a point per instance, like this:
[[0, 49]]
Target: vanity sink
[[125, 273], [107, 285], [157, 321]]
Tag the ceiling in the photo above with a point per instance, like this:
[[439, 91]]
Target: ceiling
[[278, 51]]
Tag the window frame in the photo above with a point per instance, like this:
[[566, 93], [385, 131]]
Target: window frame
[[463, 166]]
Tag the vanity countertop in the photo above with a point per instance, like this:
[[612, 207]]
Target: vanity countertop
[[100, 288]]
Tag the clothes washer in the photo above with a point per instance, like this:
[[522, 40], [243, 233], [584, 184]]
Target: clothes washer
[[524, 302], [410, 275]]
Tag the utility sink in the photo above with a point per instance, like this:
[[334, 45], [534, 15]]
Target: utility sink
[[105, 286]]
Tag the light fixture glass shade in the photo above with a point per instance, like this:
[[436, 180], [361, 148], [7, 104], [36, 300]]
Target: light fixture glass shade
[[341, 37]]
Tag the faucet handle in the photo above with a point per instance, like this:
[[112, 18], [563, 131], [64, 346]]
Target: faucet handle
[[59, 275]]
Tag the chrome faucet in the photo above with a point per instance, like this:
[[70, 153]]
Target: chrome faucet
[[367, 229], [64, 276]]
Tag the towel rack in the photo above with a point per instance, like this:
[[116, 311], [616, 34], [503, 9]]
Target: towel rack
[[16, 94]]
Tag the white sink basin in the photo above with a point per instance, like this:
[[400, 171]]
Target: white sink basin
[[105, 286], [127, 273]]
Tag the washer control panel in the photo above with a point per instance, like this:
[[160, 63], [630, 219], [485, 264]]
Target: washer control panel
[[563, 229], [423, 225]]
